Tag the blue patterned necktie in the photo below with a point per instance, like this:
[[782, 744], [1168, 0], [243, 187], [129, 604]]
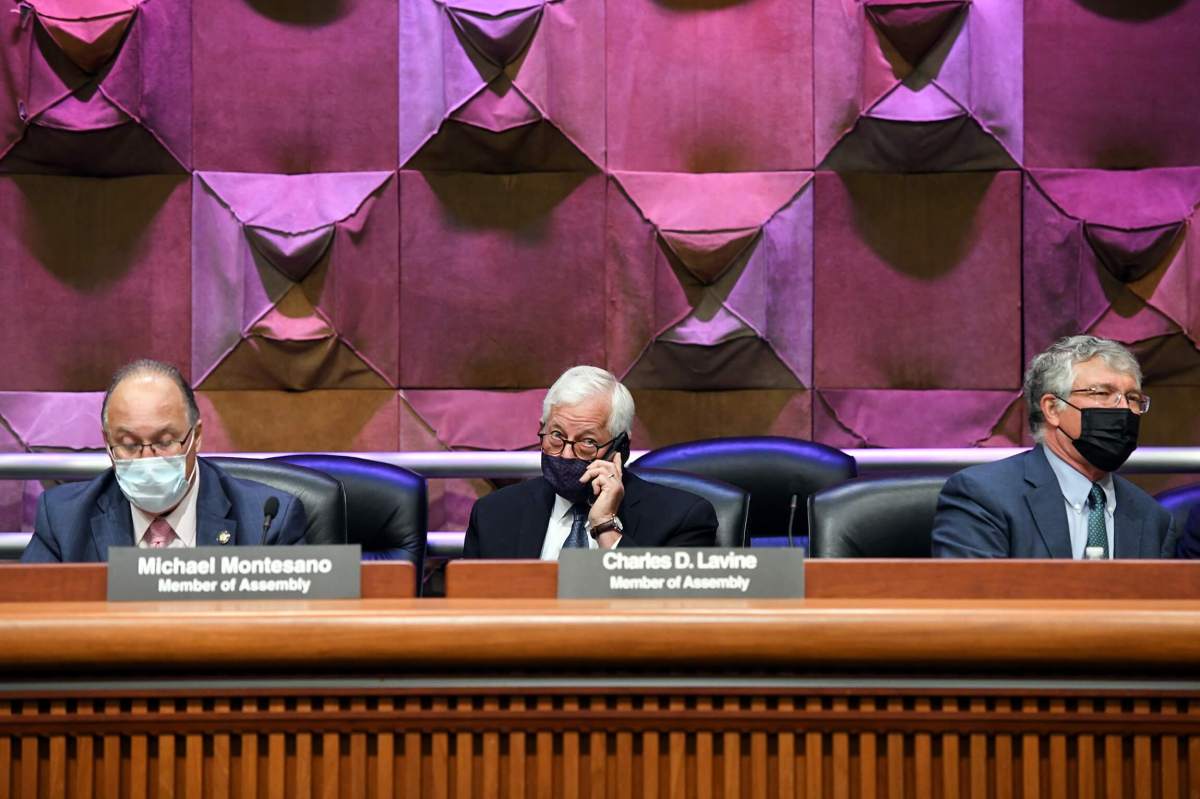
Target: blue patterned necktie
[[578, 537], [1097, 530]]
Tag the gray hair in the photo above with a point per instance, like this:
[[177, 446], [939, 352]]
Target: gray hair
[[584, 382], [1053, 371], [149, 366]]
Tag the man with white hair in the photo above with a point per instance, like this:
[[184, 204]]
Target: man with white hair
[[1061, 499], [584, 498]]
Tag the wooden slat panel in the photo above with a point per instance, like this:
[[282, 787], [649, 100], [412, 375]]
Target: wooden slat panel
[[650, 763], [248, 773], [85, 762], [193, 755], [56, 772], [951, 756], [30, 757], [110, 777], [440, 757], [1004, 756], [1031, 761], [220, 770], [385, 773], [814, 755], [517, 783], [923, 753], [623, 782], [6, 752], [840, 762], [1058, 755], [759, 780], [302, 780], [491, 748], [868, 758], [895, 755], [276, 774], [139, 755], [731, 753], [464, 751], [571, 754], [705, 755], [544, 755], [1085, 748], [356, 770], [329, 781], [1143, 766], [1114, 774], [412, 753], [979, 755], [1170, 755], [164, 777]]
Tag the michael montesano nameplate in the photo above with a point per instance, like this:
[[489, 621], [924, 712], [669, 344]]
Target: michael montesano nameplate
[[299, 572], [690, 572]]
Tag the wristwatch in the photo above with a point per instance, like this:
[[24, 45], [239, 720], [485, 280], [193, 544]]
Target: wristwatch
[[603, 527]]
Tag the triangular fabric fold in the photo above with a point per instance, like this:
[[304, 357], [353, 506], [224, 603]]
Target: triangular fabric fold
[[54, 419], [711, 201], [464, 419], [741, 363], [499, 37], [294, 203], [908, 418], [708, 328], [293, 318], [498, 107], [76, 113], [294, 254], [914, 28], [88, 33], [1128, 199], [708, 254], [1129, 255]]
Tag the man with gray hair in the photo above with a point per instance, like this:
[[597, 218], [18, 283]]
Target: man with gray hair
[[585, 498], [158, 492], [1061, 499]]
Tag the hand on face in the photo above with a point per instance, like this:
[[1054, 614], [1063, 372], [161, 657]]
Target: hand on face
[[605, 477]]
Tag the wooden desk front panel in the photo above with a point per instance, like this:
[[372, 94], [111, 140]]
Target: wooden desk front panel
[[600, 742]]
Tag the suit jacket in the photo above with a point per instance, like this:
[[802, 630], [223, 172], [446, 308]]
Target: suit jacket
[[78, 522], [512, 522], [1014, 508]]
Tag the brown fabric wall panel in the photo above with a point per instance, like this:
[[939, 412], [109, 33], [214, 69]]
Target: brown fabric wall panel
[[891, 418], [311, 421], [95, 274], [291, 87], [668, 417], [917, 281], [501, 278]]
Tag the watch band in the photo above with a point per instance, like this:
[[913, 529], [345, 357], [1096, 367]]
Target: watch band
[[603, 527]]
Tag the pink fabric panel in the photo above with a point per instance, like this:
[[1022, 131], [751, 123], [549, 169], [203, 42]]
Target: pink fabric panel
[[305, 268], [87, 288], [535, 242], [669, 417], [917, 281], [1069, 287], [449, 501], [971, 70], [480, 420], [867, 418], [709, 87], [1111, 85], [285, 87], [118, 105]]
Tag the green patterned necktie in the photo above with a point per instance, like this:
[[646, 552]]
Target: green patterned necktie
[[1097, 530]]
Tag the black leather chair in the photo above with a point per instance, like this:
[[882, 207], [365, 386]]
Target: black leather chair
[[731, 503], [886, 517], [772, 468], [322, 496], [386, 508]]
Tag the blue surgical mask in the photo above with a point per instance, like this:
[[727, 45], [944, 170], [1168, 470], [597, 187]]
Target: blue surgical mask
[[153, 484]]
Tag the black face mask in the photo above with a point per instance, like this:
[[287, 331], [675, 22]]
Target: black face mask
[[1108, 436], [563, 476]]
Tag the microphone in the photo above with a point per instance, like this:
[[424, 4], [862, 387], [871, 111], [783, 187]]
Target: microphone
[[791, 522], [270, 508]]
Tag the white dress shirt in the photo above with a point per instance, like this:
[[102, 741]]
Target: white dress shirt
[[182, 518], [559, 528], [1075, 489]]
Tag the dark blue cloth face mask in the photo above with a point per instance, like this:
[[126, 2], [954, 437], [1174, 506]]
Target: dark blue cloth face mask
[[563, 476]]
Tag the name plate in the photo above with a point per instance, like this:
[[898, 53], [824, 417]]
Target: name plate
[[300, 572], [694, 573]]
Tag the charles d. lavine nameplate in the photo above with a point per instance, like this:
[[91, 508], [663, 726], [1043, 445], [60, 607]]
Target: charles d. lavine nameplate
[[690, 572], [300, 572]]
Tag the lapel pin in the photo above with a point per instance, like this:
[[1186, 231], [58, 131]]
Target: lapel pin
[[223, 537]]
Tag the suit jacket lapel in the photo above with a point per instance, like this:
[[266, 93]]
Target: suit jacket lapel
[[112, 526], [1046, 504], [212, 511], [634, 489], [1128, 525], [535, 518]]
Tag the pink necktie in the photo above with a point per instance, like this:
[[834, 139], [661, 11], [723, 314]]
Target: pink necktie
[[160, 533]]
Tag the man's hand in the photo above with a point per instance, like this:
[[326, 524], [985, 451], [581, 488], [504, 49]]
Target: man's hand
[[605, 477]]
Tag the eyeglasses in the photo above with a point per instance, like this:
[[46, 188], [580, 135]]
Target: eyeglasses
[[1106, 397], [587, 448], [162, 449]]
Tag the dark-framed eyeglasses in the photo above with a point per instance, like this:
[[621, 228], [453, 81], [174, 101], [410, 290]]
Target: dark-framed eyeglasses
[[1138, 402], [162, 449], [554, 442]]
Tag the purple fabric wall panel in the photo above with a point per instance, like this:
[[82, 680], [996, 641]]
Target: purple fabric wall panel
[[918, 85], [286, 87], [502, 278], [1110, 252], [95, 274], [899, 418], [698, 86], [296, 280], [42, 422], [668, 417], [486, 68], [917, 281], [98, 87], [1112, 85], [712, 293]]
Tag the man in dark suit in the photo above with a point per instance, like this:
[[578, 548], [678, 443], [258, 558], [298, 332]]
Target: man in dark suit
[[584, 498], [158, 493], [1061, 499]]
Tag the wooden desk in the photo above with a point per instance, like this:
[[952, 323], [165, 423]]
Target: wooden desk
[[452, 698]]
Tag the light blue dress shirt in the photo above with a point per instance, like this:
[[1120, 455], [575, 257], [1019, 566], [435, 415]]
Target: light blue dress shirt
[[1075, 489]]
